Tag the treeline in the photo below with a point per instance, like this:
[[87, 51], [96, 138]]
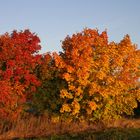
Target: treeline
[[91, 79]]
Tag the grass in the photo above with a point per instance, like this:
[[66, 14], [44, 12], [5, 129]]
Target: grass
[[108, 134], [43, 128]]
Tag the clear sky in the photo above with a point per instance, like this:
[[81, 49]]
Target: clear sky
[[52, 20]]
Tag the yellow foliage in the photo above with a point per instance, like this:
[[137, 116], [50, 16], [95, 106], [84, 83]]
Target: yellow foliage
[[75, 107], [64, 94], [65, 108], [92, 105], [99, 77]]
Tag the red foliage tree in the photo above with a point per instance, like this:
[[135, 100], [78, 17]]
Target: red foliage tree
[[18, 61]]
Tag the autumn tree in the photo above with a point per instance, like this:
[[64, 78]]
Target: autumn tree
[[18, 62], [90, 79], [101, 78], [46, 99]]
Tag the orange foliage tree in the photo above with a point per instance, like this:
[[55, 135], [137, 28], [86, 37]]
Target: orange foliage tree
[[18, 61], [101, 78]]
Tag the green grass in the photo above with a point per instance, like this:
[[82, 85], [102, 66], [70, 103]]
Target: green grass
[[108, 134]]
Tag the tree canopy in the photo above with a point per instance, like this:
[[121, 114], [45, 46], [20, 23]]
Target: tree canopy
[[91, 78]]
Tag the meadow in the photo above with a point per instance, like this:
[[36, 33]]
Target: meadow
[[43, 128]]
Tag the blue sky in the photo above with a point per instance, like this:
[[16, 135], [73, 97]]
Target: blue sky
[[52, 20]]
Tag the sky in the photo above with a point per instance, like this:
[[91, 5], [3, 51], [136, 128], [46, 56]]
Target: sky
[[53, 20]]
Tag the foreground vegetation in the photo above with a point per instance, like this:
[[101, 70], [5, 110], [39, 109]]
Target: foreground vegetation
[[41, 127], [109, 134]]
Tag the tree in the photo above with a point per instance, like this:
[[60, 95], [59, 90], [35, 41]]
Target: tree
[[18, 61], [101, 77], [46, 99]]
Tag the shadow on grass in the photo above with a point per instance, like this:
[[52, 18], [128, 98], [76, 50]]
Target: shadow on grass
[[108, 134]]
